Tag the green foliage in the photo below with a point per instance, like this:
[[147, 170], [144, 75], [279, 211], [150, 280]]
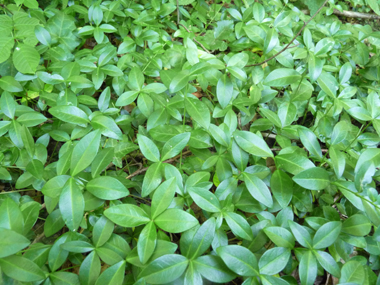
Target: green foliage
[[138, 150]]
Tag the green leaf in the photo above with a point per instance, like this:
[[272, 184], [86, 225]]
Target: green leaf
[[8, 83], [11, 242], [8, 105], [274, 260], [282, 77], [163, 197], [102, 232], [31, 119], [198, 111], [84, 152], [280, 237], [238, 225], [70, 114], [239, 259], [352, 272], [224, 90], [175, 221], [357, 225], [309, 140], [308, 268], [152, 178], [107, 188], [293, 163], [328, 84], [328, 263], [147, 242], [164, 269], [281, 186], [148, 148], [11, 216], [101, 161], [315, 178], [252, 144], [26, 59], [71, 204], [326, 235], [127, 215], [112, 275], [205, 199], [202, 239], [301, 234], [21, 269], [258, 189], [213, 268], [90, 269], [107, 126], [179, 81], [174, 146]]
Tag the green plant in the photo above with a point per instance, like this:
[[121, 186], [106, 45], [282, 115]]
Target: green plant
[[165, 142]]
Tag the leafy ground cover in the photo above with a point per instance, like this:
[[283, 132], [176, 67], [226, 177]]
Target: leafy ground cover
[[188, 142]]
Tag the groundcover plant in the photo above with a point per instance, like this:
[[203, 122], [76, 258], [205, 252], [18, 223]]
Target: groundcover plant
[[189, 142]]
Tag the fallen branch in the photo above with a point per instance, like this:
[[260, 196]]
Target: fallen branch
[[350, 14], [205, 49], [288, 45], [142, 170]]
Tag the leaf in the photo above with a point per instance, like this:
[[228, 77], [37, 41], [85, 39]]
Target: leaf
[[357, 225], [152, 178], [101, 161], [71, 204], [205, 199], [70, 114], [175, 221], [309, 140], [90, 269], [202, 239], [315, 178], [148, 148], [252, 144], [21, 269], [308, 268], [238, 225], [164, 269], [26, 59], [179, 81], [328, 84], [147, 242], [293, 163], [258, 189], [374, 6], [213, 268], [8, 83], [127, 215], [163, 197], [198, 111], [338, 161], [328, 263], [11, 216], [352, 272], [282, 77], [174, 146], [84, 152], [102, 231], [282, 187], [280, 237], [326, 235], [274, 260], [224, 90], [107, 188], [11, 242], [301, 234], [8, 105], [239, 259], [112, 275]]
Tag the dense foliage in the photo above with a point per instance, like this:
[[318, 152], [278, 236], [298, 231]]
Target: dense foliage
[[136, 149]]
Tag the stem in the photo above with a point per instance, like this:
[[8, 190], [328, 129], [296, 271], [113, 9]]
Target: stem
[[358, 134], [287, 46]]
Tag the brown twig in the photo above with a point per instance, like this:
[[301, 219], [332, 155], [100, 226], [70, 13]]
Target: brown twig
[[287, 46], [350, 14], [205, 49], [142, 170], [6, 8]]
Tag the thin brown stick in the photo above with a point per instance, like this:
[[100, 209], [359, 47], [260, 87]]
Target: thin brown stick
[[350, 14], [142, 170], [287, 46], [205, 49]]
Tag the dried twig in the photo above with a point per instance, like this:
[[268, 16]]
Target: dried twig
[[142, 170], [205, 49], [350, 14], [287, 46]]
